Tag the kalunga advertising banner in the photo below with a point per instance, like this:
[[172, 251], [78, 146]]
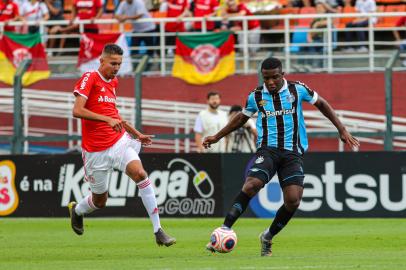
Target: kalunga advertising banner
[[370, 184], [43, 185]]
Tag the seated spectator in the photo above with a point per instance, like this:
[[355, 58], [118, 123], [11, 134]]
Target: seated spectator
[[134, 10], [363, 7], [175, 9], [55, 8], [402, 44], [299, 3], [34, 11], [242, 140], [400, 23], [9, 12], [317, 37], [331, 6], [254, 35], [205, 9], [81, 10]]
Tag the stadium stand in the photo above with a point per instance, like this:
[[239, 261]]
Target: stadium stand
[[275, 37], [342, 22], [305, 22], [391, 21]]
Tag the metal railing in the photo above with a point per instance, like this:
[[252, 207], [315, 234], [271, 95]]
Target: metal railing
[[388, 100], [278, 40]]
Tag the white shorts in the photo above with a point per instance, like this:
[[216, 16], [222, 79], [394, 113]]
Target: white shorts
[[98, 165]]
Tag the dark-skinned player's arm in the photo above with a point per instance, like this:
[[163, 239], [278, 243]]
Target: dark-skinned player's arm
[[325, 108], [145, 140], [236, 122], [79, 111]]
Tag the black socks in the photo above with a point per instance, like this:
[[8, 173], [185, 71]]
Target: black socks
[[239, 206], [282, 218]]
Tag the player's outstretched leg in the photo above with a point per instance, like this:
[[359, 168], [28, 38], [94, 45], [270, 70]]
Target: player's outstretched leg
[[76, 212], [292, 195], [147, 194]]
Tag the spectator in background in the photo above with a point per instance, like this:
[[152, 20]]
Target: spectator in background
[[208, 121], [205, 9], [134, 10], [55, 8], [299, 3], [81, 10], [175, 9], [233, 9], [152, 4], [363, 7], [87, 10], [316, 38], [348, 3], [400, 23], [330, 6], [243, 139], [34, 11], [9, 12], [402, 44]]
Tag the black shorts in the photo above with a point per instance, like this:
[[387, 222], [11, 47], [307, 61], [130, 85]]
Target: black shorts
[[288, 165]]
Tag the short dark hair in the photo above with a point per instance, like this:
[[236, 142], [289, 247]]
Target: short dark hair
[[271, 63], [212, 93], [111, 49], [235, 108]]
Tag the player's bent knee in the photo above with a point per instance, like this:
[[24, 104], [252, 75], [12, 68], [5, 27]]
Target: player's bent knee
[[252, 187], [135, 171], [137, 175], [292, 203]]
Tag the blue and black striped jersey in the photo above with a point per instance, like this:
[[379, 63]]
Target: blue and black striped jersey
[[280, 120]]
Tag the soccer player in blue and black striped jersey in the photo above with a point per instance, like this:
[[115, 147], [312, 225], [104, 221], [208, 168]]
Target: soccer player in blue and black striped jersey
[[281, 143]]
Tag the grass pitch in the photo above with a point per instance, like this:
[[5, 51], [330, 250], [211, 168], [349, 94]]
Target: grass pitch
[[129, 244]]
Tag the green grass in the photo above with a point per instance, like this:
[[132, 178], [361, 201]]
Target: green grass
[[129, 244]]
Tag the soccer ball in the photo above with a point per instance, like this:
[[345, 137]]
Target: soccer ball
[[223, 240]]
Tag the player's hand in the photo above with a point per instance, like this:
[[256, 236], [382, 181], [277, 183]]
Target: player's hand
[[208, 141], [116, 124], [145, 140], [347, 138]]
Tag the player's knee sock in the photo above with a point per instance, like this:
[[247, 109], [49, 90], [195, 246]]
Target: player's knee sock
[[85, 206], [149, 200], [239, 206], [282, 218]]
